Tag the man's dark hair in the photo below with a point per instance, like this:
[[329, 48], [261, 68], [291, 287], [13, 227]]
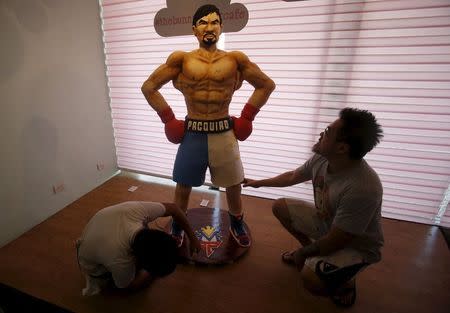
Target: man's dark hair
[[204, 10], [360, 131], [155, 251]]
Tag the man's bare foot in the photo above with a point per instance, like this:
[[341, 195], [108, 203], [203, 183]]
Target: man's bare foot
[[288, 257]]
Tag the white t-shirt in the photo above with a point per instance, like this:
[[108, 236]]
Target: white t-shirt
[[105, 245], [351, 201]]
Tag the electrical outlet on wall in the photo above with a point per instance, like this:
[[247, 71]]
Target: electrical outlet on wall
[[57, 188], [100, 166]]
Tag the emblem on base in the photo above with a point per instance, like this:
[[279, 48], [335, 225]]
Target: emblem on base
[[210, 239]]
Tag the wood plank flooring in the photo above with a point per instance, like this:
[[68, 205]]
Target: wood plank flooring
[[414, 275]]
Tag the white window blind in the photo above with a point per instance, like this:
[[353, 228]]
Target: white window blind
[[389, 57]]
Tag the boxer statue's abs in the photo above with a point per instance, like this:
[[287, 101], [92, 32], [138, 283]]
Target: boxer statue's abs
[[208, 81], [207, 78]]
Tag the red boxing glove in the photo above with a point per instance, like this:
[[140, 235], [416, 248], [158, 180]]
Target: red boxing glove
[[174, 128], [242, 126]]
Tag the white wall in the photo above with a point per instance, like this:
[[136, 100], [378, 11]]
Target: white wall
[[55, 123]]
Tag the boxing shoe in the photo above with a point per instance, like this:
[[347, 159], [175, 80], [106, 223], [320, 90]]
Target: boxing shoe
[[238, 230]]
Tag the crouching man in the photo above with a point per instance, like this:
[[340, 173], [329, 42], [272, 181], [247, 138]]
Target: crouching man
[[117, 248]]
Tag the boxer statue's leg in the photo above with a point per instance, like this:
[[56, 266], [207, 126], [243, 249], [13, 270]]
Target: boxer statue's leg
[[182, 193], [237, 227]]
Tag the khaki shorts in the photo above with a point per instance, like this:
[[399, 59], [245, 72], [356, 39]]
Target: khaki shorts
[[335, 268]]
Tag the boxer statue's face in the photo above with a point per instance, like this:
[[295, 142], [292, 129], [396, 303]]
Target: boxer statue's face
[[208, 29]]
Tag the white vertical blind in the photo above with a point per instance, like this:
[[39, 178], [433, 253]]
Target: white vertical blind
[[389, 57], [443, 216]]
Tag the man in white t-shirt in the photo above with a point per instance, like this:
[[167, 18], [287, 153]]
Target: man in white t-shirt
[[117, 246], [340, 234]]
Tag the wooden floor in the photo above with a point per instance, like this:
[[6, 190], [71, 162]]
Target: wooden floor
[[414, 275]]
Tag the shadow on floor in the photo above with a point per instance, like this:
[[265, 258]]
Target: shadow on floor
[[15, 301]]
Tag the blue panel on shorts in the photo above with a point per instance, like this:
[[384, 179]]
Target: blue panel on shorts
[[192, 160]]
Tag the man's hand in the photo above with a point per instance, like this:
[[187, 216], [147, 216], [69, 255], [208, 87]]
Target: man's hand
[[174, 128], [194, 245], [251, 183], [141, 280], [242, 126]]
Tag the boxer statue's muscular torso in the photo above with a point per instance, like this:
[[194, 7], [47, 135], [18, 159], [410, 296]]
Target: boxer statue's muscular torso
[[208, 81], [208, 77]]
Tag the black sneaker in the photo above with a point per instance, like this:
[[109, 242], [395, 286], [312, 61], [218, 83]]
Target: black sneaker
[[239, 231]]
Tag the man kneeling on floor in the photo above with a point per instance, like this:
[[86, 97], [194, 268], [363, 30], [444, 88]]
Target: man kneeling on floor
[[117, 247], [341, 233]]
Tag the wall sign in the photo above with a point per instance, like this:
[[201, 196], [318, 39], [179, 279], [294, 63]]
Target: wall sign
[[176, 19]]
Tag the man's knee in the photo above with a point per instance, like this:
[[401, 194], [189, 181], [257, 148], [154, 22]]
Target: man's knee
[[279, 209]]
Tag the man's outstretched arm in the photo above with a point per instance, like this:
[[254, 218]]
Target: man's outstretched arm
[[283, 180]]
